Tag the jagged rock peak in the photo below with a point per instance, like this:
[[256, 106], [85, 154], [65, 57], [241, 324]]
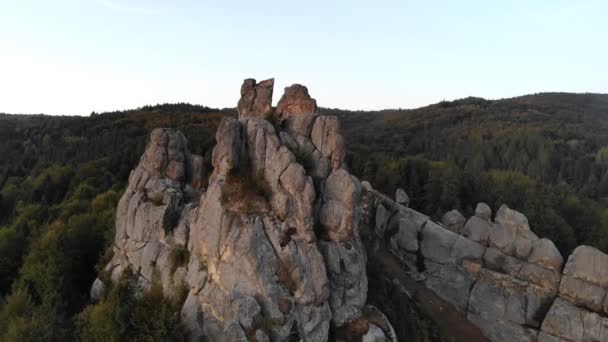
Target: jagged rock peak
[[270, 248], [296, 100], [256, 98]]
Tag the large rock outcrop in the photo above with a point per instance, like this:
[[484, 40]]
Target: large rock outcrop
[[271, 248], [505, 279]]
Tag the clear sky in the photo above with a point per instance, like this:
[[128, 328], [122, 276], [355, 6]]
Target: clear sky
[[74, 57]]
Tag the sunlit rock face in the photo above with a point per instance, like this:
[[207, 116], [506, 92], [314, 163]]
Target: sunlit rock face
[[270, 249]]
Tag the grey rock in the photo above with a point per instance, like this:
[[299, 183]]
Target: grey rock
[[483, 211], [544, 337], [247, 311], [498, 261], [401, 197], [450, 282], [540, 276], [545, 254], [381, 220], [406, 237], [327, 139], [97, 289], [477, 229], [582, 293], [512, 219], [465, 249], [564, 321], [374, 334], [454, 221], [589, 264], [502, 330], [503, 238], [437, 243]]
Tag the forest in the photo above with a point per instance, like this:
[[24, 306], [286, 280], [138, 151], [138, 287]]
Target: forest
[[61, 177]]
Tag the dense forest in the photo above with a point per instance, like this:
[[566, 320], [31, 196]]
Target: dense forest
[[61, 177]]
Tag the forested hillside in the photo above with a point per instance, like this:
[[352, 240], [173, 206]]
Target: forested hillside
[[545, 155], [61, 177]]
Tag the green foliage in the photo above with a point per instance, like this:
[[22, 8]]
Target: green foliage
[[126, 314]]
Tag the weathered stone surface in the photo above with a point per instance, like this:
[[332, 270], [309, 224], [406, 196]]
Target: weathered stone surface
[[538, 302], [512, 219], [256, 98], [437, 243], [589, 264], [401, 197], [406, 236], [545, 254], [483, 211], [465, 249], [503, 331], [564, 321], [544, 337], [454, 221], [295, 100], [348, 281], [327, 139], [540, 276], [582, 293], [450, 282], [337, 216], [477, 229], [503, 238], [498, 261]]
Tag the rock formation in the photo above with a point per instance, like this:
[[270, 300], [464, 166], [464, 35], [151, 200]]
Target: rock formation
[[270, 250], [256, 98], [506, 280]]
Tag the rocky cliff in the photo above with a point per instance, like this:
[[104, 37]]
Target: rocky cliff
[[270, 249], [275, 245]]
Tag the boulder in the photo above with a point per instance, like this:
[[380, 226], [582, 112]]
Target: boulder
[[401, 197], [97, 289], [483, 211], [502, 237], [477, 229], [545, 254], [589, 264], [453, 220], [512, 219]]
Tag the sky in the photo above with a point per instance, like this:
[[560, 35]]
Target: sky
[[74, 57]]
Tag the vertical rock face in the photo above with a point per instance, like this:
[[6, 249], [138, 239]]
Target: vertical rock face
[[256, 98], [271, 249]]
